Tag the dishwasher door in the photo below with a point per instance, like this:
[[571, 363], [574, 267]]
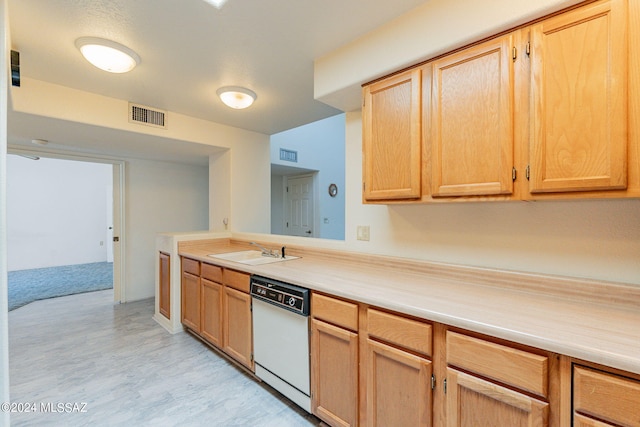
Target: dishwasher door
[[281, 348]]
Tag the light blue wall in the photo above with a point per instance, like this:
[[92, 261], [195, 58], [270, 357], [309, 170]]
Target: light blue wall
[[321, 147]]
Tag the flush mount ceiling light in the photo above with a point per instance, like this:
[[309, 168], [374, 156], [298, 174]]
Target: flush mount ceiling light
[[107, 55], [217, 3], [236, 97]]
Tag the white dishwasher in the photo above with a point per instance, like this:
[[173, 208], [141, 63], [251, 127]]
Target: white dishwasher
[[281, 337]]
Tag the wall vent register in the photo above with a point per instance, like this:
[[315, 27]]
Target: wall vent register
[[147, 116], [288, 155]]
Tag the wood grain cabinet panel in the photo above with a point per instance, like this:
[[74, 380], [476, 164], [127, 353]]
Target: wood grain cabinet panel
[[191, 266], [398, 387], [474, 402], [165, 285], [211, 312], [392, 145], [211, 272], [190, 301], [582, 421], [238, 330], [334, 374], [472, 139], [579, 86], [521, 369], [236, 279], [336, 311], [607, 397], [399, 330]]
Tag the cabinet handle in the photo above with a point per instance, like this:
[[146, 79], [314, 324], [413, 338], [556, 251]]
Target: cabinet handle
[[445, 385], [433, 382]]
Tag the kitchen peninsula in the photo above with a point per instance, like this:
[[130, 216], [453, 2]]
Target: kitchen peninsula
[[493, 332]]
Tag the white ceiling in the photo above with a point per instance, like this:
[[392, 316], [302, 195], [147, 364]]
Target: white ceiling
[[189, 49]]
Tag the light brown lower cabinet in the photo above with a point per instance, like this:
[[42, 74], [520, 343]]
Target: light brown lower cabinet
[[190, 304], [165, 285], [334, 374], [216, 305], [604, 399], [472, 401], [398, 387], [237, 336], [211, 312]]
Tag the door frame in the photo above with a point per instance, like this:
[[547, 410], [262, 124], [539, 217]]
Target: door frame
[[316, 201], [119, 283]]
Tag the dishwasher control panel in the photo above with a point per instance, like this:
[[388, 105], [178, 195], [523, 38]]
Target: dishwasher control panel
[[290, 297]]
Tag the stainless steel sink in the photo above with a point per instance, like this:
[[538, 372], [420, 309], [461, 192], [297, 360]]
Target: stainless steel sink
[[251, 257]]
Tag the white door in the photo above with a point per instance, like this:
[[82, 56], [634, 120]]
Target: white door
[[300, 208], [109, 241]]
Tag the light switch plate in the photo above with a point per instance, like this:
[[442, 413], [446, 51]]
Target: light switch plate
[[363, 233]]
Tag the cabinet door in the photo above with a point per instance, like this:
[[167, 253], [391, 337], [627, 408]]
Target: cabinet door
[[398, 387], [237, 336], [211, 326], [473, 402], [191, 301], [165, 285], [579, 84], [472, 121], [334, 374], [392, 138]]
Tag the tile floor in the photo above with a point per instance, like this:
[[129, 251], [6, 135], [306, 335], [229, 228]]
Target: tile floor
[[129, 371]]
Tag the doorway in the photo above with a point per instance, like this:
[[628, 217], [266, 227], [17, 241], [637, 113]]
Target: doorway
[[62, 212]]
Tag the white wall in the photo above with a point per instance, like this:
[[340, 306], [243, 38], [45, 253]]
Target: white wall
[[277, 204], [4, 332], [56, 212], [239, 188], [598, 239], [321, 147], [160, 197]]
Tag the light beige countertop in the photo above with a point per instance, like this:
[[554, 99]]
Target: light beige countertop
[[590, 320]]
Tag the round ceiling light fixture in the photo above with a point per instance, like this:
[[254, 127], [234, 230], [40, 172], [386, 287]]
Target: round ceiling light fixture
[[236, 97], [107, 55]]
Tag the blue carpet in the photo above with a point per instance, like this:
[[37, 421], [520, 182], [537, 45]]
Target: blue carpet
[[26, 286]]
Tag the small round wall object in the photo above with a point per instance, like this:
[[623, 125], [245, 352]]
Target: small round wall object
[[333, 190]]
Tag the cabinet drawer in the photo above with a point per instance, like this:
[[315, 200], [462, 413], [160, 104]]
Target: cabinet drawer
[[236, 280], [606, 396], [338, 312], [212, 272], [191, 266], [526, 371], [401, 331]]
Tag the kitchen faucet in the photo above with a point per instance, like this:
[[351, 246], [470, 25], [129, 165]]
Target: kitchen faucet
[[267, 252]]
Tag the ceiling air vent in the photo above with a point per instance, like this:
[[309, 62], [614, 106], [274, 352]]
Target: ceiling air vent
[[288, 155], [147, 116]]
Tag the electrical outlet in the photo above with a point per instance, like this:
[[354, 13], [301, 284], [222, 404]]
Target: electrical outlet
[[363, 233], [101, 243]]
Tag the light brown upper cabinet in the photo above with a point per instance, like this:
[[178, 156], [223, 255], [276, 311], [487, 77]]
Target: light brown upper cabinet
[[549, 110], [472, 121], [392, 138], [579, 86]]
